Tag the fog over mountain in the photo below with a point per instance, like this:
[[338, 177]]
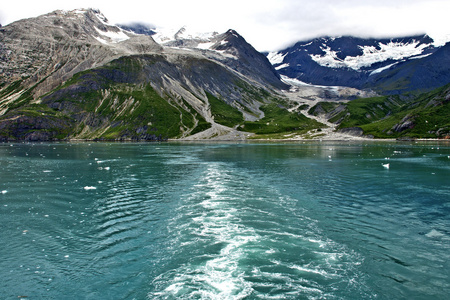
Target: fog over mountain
[[267, 25]]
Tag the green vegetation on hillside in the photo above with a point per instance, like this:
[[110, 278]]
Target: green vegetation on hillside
[[278, 119], [223, 112], [322, 107], [425, 116], [367, 110]]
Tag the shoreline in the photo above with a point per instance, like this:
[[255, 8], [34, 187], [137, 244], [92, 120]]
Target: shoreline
[[219, 140]]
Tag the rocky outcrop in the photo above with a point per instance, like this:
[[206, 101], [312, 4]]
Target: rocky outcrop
[[353, 131], [406, 123]]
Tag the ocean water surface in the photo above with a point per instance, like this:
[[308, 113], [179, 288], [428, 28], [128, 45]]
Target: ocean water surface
[[225, 221]]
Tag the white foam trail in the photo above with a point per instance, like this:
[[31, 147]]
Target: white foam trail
[[287, 259], [219, 277]]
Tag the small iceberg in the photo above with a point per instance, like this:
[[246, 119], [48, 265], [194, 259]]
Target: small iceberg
[[434, 234]]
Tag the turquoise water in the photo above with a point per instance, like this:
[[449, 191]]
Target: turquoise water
[[225, 221]]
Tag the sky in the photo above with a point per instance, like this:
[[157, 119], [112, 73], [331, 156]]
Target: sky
[[267, 25]]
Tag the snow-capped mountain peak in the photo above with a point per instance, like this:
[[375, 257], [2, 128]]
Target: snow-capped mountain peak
[[177, 37]]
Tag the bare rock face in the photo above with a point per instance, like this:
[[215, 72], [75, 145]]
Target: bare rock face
[[50, 49]]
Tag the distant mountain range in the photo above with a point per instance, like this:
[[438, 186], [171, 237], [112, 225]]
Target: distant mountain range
[[73, 75], [388, 66]]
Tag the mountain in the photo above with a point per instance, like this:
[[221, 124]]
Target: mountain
[[50, 49], [388, 66], [228, 48], [72, 75]]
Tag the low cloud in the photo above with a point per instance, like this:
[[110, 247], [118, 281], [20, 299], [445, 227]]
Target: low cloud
[[267, 25]]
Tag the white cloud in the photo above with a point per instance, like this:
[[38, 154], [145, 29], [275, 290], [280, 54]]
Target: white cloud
[[267, 25]]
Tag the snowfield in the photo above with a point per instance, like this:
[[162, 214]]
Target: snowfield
[[371, 55]]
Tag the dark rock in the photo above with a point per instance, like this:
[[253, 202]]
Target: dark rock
[[406, 123], [353, 131]]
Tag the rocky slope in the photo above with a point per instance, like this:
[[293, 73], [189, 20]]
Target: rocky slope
[[228, 48], [52, 48]]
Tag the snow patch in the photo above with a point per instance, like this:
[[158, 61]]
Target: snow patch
[[282, 66], [165, 35], [275, 57], [296, 82], [421, 56], [101, 40], [116, 37], [293, 81], [370, 56], [440, 39], [205, 46], [79, 11], [379, 70], [102, 18]]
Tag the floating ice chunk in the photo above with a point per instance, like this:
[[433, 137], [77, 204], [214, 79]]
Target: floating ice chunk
[[87, 188], [435, 234]]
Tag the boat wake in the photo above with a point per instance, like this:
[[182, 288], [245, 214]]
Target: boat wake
[[232, 239]]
